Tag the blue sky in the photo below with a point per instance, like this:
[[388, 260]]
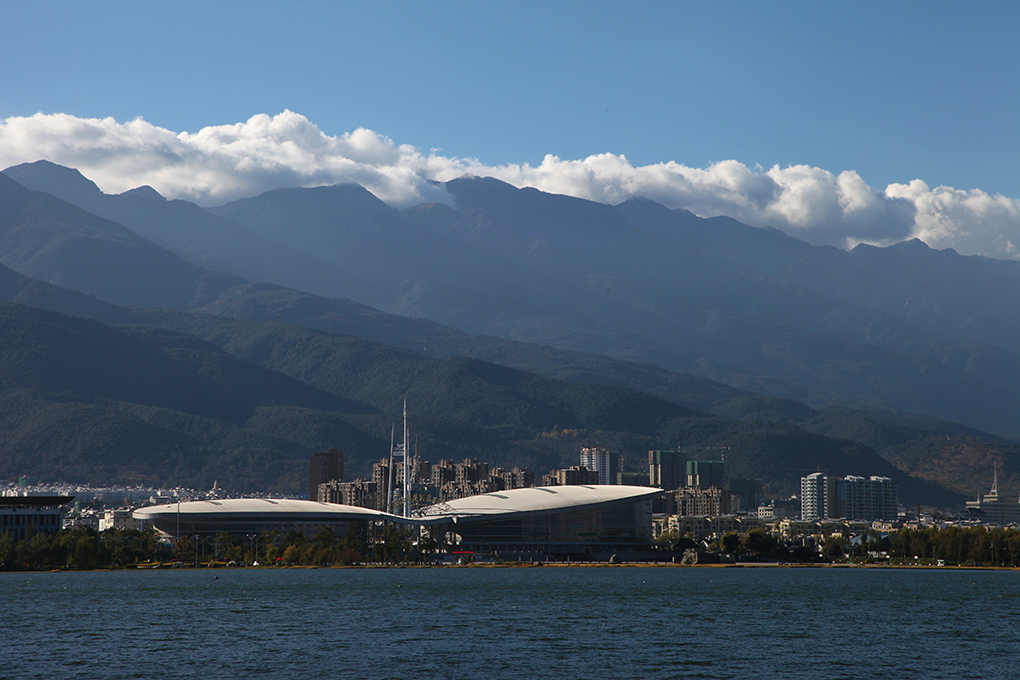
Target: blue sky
[[894, 91]]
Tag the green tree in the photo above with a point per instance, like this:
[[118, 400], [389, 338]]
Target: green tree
[[8, 551], [730, 543]]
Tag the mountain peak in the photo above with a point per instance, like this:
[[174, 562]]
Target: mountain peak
[[56, 179], [144, 192], [914, 245]]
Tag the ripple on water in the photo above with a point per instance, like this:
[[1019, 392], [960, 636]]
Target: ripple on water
[[513, 623]]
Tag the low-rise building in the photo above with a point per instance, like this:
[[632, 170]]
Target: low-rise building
[[121, 518], [27, 515], [573, 475]]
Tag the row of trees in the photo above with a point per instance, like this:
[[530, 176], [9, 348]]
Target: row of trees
[[957, 545], [978, 546], [85, 548], [754, 544]]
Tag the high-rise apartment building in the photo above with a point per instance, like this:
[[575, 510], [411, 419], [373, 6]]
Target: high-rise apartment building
[[666, 469], [706, 473], [325, 466], [850, 497], [603, 461]]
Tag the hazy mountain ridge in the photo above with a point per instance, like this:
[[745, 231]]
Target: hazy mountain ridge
[[191, 232], [751, 307], [261, 301], [49, 239]]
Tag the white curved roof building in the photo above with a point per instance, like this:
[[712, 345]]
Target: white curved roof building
[[574, 522], [253, 515], [534, 501], [536, 522]]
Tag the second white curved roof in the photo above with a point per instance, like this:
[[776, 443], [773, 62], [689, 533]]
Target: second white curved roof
[[538, 499]]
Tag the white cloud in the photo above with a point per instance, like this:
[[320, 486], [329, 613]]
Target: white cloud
[[968, 221], [225, 162]]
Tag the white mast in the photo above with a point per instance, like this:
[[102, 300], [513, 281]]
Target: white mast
[[407, 469], [390, 473], [399, 451]]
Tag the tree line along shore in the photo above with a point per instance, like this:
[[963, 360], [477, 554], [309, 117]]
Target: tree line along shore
[[84, 548]]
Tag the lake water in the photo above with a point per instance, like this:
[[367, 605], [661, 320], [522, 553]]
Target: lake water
[[547, 622]]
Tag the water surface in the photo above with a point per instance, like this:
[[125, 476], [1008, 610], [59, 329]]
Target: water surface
[[578, 622]]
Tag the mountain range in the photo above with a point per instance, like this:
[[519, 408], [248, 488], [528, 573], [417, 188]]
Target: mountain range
[[517, 316]]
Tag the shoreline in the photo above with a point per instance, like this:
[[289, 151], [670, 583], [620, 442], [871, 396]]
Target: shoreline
[[543, 565]]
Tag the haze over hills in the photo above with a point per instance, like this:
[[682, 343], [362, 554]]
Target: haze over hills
[[650, 284], [143, 405], [916, 329], [191, 232]]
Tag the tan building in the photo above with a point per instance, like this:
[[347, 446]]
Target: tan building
[[708, 502], [571, 476]]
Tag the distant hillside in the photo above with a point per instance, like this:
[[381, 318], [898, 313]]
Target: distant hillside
[[92, 403], [48, 239], [450, 413]]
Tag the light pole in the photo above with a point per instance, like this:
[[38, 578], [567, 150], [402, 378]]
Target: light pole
[[253, 539]]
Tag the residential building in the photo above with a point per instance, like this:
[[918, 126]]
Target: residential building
[[856, 498], [710, 502], [604, 462], [359, 493], [706, 473], [666, 469], [325, 466], [574, 475], [746, 494], [121, 518]]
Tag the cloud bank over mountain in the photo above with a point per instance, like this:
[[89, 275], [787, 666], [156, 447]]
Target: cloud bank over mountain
[[221, 163]]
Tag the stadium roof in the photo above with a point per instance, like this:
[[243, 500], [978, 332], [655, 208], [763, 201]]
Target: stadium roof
[[264, 508], [534, 500], [489, 506]]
